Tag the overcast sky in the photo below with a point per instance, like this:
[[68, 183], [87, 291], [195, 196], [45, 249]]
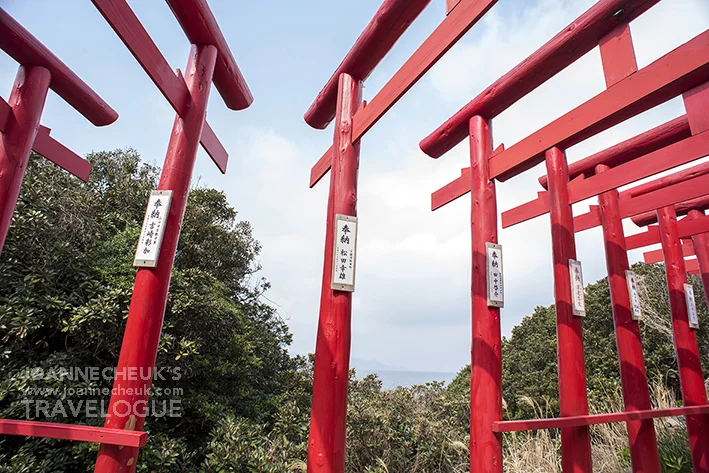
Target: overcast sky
[[411, 307]]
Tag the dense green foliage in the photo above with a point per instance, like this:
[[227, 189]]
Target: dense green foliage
[[66, 278]]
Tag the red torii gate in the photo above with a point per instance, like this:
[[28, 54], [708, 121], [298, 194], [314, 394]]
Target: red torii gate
[[210, 61], [39, 71], [629, 92]]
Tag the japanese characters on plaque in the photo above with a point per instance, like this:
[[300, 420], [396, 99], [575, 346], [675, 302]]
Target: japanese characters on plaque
[[146, 255], [578, 304], [345, 253], [495, 284], [691, 306], [633, 292]]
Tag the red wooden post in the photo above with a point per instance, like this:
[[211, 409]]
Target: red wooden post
[[486, 352], [573, 401], [26, 101], [326, 445], [701, 249], [147, 308], [636, 394], [690, 369]]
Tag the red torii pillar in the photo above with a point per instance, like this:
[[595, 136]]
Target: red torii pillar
[[701, 249], [573, 400], [210, 61], [486, 347], [147, 307], [690, 368]]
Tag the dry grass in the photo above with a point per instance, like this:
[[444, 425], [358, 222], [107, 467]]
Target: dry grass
[[539, 451]]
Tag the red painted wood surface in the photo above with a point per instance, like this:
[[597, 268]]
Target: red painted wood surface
[[589, 220], [595, 419], [671, 75], [5, 112], [200, 26], [685, 340], [640, 240], [27, 50], [696, 102], [656, 256], [463, 17], [618, 54], [60, 155], [676, 154], [326, 443], [700, 242], [127, 26], [669, 195], [78, 433], [575, 441], [450, 5], [389, 23], [633, 148], [451, 191], [557, 54], [29, 93], [486, 351], [691, 266], [686, 229], [682, 208], [636, 393], [670, 179], [147, 307]]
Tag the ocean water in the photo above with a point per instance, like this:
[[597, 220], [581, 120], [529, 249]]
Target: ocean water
[[393, 378]]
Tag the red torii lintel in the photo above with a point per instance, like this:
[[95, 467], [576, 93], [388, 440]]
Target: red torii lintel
[[574, 41], [172, 85], [390, 22], [463, 17]]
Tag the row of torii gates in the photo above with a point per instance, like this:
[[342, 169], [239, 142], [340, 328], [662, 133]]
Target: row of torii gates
[[629, 92]]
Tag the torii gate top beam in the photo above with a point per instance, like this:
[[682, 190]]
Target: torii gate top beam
[[390, 21], [633, 148], [200, 26], [22, 46], [128, 27], [557, 54], [463, 17]]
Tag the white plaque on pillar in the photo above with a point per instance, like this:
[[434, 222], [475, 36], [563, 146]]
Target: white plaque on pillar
[[146, 255], [344, 253], [634, 293], [691, 306], [578, 304], [495, 283]]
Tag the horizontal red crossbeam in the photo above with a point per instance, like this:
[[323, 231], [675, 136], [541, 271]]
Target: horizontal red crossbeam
[[463, 17], [682, 208], [28, 50], [128, 27], [692, 266], [670, 76], [200, 26], [557, 54], [60, 155], [50, 148], [80, 433], [628, 150], [676, 154], [594, 419], [624, 152], [657, 256], [390, 21]]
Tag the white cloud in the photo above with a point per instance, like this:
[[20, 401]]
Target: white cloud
[[411, 307]]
